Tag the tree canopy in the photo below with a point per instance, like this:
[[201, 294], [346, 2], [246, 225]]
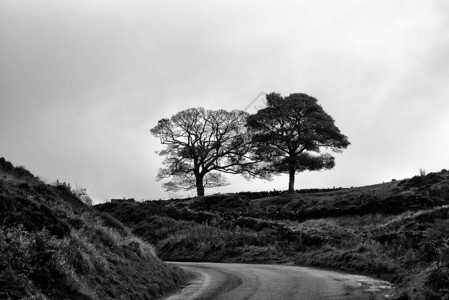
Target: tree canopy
[[290, 133], [201, 145]]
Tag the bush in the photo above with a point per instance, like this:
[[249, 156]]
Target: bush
[[112, 222], [156, 228], [53, 246], [34, 264], [34, 217], [209, 243], [19, 172], [82, 194], [15, 254]]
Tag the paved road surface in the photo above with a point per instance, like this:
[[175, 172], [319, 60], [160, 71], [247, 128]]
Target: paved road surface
[[279, 282]]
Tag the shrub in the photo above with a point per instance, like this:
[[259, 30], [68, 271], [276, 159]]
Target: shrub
[[82, 194], [53, 246], [155, 228], [112, 222], [15, 244], [19, 171], [34, 217], [35, 264], [209, 243]]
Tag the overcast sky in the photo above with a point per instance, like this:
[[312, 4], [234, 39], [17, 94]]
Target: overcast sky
[[82, 82]]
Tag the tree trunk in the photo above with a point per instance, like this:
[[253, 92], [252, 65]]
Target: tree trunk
[[199, 185], [291, 176]]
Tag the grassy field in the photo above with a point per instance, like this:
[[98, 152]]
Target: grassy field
[[398, 231], [53, 246]]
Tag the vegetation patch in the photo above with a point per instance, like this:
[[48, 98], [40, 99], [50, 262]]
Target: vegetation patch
[[397, 231], [53, 246]]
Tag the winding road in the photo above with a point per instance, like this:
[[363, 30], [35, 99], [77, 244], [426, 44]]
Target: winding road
[[277, 282]]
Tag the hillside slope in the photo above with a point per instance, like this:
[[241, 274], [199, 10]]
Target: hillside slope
[[52, 246], [397, 231]]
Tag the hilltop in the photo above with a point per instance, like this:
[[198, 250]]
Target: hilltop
[[396, 231], [53, 246]]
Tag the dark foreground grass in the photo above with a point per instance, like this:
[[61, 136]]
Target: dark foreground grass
[[404, 240], [52, 246]]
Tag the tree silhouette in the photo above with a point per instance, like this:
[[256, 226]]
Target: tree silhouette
[[201, 145], [290, 133]]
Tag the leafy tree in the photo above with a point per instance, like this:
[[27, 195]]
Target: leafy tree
[[201, 145], [291, 132]]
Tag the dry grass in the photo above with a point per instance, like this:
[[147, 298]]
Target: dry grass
[[396, 230], [52, 246]]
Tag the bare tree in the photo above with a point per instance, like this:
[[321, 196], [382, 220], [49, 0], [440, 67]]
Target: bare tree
[[201, 145], [291, 132]]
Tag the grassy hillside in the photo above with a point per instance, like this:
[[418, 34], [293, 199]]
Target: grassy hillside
[[52, 246], [397, 231]]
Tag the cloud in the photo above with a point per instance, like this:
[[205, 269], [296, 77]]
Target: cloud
[[81, 83]]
